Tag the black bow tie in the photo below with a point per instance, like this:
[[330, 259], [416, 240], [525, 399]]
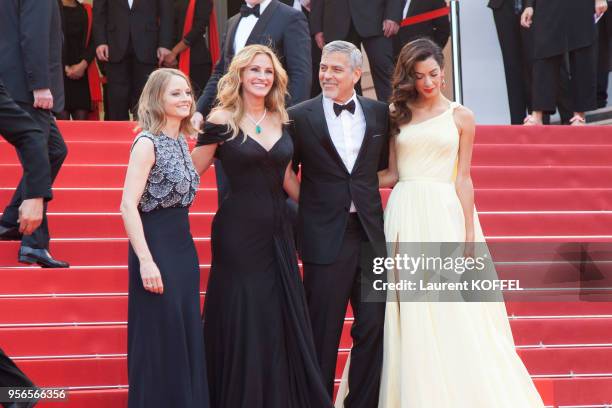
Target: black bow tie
[[348, 107], [246, 11]]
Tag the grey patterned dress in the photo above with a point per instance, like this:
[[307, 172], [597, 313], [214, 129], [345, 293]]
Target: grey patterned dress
[[166, 365], [173, 180]]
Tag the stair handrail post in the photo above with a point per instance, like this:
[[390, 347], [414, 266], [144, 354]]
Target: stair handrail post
[[456, 51]]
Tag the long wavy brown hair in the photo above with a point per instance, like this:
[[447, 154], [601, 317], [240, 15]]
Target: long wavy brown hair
[[230, 87], [403, 82]]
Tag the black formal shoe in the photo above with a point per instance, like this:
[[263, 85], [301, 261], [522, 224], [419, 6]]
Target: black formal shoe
[[10, 233], [41, 257]]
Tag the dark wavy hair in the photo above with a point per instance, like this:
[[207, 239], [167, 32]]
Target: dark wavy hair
[[403, 81]]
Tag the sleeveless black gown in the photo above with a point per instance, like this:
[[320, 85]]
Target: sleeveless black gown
[[166, 366], [259, 347]]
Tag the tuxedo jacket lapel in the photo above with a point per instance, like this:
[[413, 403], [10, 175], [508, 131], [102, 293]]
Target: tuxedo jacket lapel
[[231, 36], [262, 22], [370, 119], [319, 124]]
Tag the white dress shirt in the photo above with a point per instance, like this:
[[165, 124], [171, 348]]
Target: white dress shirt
[[130, 3], [300, 5], [346, 131], [246, 25], [406, 7]]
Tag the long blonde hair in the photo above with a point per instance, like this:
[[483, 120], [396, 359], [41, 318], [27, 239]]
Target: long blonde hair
[[229, 89], [151, 114]]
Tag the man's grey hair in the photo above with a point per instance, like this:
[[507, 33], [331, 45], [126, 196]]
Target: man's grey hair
[[348, 49]]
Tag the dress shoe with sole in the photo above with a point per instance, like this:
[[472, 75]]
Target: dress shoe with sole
[[41, 257], [10, 233]]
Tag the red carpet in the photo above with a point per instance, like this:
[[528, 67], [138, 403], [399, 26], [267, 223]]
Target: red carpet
[[67, 328]]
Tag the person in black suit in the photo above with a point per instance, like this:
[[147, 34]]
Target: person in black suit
[[200, 61], [305, 7], [271, 23], [133, 37], [20, 130], [604, 58], [340, 213], [560, 28], [368, 22], [517, 50], [32, 72], [437, 30]]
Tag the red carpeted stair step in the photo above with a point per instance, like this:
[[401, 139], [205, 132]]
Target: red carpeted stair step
[[76, 309], [70, 340], [93, 370], [91, 252], [593, 135], [577, 308], [543, 224], [96, 131], [583, 392], [542, 154], [96, 200], [110, 225], [112, 338], [559, 199], [78, 372], [64, 309], [511, 176], [596, 274], [91, 398], [124, 131], [94, 176], [577, 360], [117, 152], [77, 280], [525, 177]]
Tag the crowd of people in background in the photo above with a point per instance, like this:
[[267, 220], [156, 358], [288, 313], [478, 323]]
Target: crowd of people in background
[[556, 57], [121, 43]]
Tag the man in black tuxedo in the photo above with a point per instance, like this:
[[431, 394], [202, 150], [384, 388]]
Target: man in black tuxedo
[[437, 29], [20, 130], [267, 22], [341, 142], [133, 37], [32, 72], [517, 52], [368, 22], [305, 7], [271, 23]]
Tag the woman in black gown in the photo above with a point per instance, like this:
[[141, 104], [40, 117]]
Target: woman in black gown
[[78, 53], [259, 346], [166, 366]]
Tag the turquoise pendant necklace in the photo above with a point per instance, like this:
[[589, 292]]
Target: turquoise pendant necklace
[[258, 128]]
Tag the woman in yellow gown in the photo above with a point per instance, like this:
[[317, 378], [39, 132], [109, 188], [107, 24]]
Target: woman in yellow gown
[[439, 354]]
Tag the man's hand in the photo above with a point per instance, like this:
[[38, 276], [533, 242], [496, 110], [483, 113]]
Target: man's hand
[[170, 60], [320, 40], [601, 6], [197, 120], [102, 52], [161, 54], [527, 17], [43, 99], [390, 28], [30, 215]]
